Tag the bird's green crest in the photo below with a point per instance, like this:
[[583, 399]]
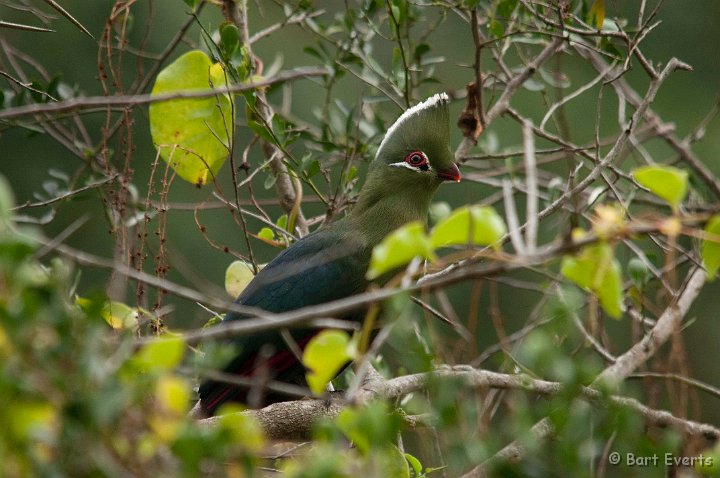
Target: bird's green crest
[[413, 159], [424, 127]]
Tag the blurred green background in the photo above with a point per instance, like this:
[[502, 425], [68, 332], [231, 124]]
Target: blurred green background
[[689, 31]]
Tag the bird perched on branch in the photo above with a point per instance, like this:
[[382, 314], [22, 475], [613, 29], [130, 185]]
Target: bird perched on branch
[[331, 263]]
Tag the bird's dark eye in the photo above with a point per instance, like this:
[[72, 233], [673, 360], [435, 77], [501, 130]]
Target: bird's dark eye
[[416, 159]]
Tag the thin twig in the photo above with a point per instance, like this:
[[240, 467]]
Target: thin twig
[[532, 188]]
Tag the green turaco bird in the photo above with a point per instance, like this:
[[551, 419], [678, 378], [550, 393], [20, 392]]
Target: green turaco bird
[[331, 263]]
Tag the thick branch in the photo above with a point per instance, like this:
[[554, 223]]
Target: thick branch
[[289, 420], [293, 420]]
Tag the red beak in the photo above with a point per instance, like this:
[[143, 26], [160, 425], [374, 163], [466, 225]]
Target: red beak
[[450, 174]]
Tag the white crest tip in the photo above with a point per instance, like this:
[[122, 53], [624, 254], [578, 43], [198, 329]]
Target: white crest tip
[[423, 105]]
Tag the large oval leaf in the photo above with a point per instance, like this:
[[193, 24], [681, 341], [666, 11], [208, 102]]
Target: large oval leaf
[[192, 135], [665, 182], [479, 225]]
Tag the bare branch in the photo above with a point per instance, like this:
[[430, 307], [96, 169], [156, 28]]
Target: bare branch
[[67, 15], [293, 420], [532, 188], [134, 100], [666, 324], [621, 369], [617, 148], [503, 103]]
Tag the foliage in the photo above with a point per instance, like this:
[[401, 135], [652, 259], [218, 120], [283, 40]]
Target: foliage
[[561, 222], [95, 406]]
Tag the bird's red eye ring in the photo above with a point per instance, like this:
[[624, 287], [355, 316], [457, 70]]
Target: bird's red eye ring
[[416, 159]]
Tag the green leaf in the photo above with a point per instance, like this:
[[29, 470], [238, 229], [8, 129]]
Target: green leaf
[[237, 276], [120, 316], [266, 233], [400, 247], [607, 46], [192, 3], [312, 169], [162, 355], [7, 201], [666, 182], [325, 355], [420, 50], [596, 15], [243, 428], [414, 463], [479, 225], [282, 222], [192, 135], [710, 249], [229, 40], [638, 272], [270, 181], [278, 128], [32, 420], [372, 428], [506, 7], [172, 395], [496, 29], [595, 268], [439, 211]]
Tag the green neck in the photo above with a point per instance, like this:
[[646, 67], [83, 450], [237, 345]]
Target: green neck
[[388, 201]]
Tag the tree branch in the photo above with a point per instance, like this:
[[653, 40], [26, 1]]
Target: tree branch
[[293, 420], [622, 368], [503, 103], [92, 102]]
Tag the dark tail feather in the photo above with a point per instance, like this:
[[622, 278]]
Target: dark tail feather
[[282, 366]]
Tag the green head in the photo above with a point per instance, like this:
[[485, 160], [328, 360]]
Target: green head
[[411, 162], [418, 143]]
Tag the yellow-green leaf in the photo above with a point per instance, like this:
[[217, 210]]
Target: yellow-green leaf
[[479, 225], [172, 395], [595, 268], [710, 249], [244, 429], [161, 355], [120, 316], [6, 345], [400, 247], [237, 276], [666, 182], [192, 135], [414, 463], [596, 15], [325, 355], [266, 234], [32, 420], [7, 201]]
